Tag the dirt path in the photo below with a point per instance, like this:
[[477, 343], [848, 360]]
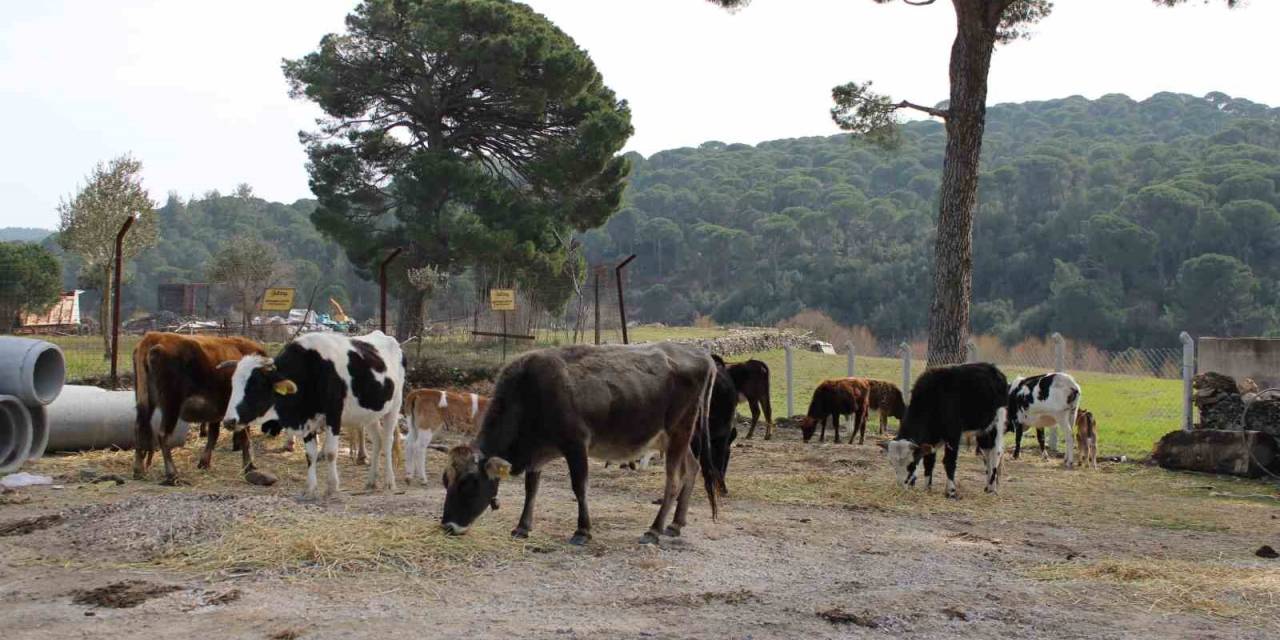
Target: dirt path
[[813, 542]]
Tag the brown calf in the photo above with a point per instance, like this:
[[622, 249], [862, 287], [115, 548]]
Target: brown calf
[[1087, 438], [835, 398], [179, 376], [885, 398], [428, 410], [751, 380]]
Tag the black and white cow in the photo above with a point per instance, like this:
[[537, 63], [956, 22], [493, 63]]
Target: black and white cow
[[1041, 401], [945, 403], [319, 382]]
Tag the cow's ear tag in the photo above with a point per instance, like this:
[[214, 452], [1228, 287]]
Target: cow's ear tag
[[286, 387], [497, 468]]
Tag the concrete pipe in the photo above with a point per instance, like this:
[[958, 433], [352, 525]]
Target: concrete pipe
[[33, 370], [39, 432], [91, 418], [15, 434]]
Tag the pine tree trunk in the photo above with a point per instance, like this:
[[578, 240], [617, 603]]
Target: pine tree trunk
[[966, 120]]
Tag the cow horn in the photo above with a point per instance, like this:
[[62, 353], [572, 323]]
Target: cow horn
[[497, 468], [228, 364]]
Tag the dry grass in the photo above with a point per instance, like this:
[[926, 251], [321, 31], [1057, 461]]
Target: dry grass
[[327, 544], [1225, 590]]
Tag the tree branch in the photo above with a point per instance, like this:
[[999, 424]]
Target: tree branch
[[937, 113]]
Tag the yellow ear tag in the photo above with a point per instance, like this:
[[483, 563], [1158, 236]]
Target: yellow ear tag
[[286, 387]]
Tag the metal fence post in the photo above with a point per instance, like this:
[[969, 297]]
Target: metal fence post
[[1188, 372], [115, 297], [971, 351], [790, 386], [904, 350], [851, 355]]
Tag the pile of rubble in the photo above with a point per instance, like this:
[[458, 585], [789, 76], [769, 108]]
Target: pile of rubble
[[1229, 405], [740, 341]]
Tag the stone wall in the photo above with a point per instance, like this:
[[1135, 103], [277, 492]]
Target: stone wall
[[740, 341]]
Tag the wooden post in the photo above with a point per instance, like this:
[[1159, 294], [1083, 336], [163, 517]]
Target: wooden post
[[115, 297], [851, 355], [904, 350], [971, 351], [1059, 364]]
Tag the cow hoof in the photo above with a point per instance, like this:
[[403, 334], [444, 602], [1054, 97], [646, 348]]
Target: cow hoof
[[520, 532], [139, 475], [952, 495], [172, 481], [363, 462], [579, 539], [203, 464], [649, 537], [672, 531]]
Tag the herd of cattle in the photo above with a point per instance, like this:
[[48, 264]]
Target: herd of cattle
[[613, 403]]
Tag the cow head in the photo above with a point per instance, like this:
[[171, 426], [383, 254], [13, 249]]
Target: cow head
[[471, 485], [904, 455], [992, 455], [807, 426], [255, 384]]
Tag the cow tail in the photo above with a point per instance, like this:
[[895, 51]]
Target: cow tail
[[141, 377], [709, 469]]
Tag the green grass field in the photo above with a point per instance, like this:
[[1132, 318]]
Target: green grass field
[[1133, 412]]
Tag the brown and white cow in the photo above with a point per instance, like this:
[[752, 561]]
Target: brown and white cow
[[886, 399], [835, 398], [1087, 437], [179, 376], [429, 410]]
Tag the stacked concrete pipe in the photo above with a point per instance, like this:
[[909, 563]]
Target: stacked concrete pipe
[[32, 373]]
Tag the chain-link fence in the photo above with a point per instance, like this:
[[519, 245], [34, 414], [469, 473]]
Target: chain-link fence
[[1137, 395]]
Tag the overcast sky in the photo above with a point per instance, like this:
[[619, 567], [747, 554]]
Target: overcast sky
[[194, 89]]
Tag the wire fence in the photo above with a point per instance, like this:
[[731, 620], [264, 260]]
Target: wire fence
[[1137, 395]]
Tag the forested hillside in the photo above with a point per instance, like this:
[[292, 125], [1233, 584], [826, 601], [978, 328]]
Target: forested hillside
[[192, 231], [1114, 221]]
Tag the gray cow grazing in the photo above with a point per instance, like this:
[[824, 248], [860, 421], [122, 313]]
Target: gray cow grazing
[[605, 402]]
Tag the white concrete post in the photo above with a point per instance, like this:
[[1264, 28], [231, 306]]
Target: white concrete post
[[971, 351], [1188, 372], [851, 355], [904, 350], [790, 386]]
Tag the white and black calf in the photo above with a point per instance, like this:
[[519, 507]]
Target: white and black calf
[[1046, 400], [946, 402], [318, 383]]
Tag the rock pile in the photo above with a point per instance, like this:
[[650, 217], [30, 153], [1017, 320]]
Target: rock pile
[[1228, 405], [740, 341]]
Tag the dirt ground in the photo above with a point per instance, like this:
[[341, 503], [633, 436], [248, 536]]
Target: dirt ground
[[813, 541]]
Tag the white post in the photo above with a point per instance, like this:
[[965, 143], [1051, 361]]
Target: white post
[[851, 355], [790, 386], [1188, 372], [1059, 364], [971, 351], [904, 350]]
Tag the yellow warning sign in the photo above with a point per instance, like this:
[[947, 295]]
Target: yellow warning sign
[[502, 299], [277, 299]]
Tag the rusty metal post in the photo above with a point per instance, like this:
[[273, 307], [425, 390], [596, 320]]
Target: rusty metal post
[[622, 306], [597, 286], [382, 285], [115, 293]]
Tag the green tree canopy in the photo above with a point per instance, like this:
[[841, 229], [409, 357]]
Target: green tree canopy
[[29, 281], [464, 129]]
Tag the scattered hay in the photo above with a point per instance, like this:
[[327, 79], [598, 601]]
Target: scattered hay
[[121, 595], [735, 597], [142, 528], [330, 544], [1217, 589], [836, 615], [28, 525], [287, 634]]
